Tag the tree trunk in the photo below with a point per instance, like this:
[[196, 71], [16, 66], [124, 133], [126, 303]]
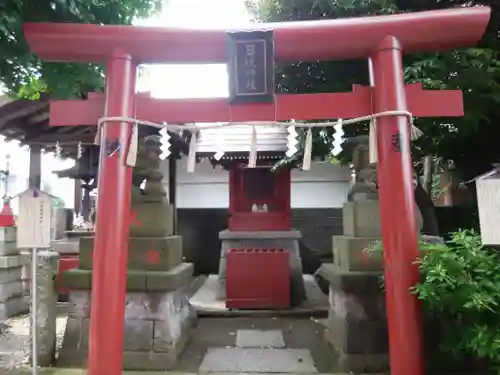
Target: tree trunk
[[427, 175], [426, 206]]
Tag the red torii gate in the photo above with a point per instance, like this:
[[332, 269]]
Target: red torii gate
[[381, 39]]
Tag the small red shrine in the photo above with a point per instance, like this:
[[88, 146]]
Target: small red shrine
[[259, 198], [259, 218]]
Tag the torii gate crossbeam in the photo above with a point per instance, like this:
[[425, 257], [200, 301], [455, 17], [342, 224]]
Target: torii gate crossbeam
[[382, 39]]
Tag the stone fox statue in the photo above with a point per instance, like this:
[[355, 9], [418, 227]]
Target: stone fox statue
[[151, 215], [365, 185]]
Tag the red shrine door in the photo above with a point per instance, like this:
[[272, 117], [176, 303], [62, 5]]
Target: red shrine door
[[381, 39]]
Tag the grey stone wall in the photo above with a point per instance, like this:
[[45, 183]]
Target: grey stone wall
[[201, 245]]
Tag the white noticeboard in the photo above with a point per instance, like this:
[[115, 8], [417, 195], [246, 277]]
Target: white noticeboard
[[34, 219], [488, 201]]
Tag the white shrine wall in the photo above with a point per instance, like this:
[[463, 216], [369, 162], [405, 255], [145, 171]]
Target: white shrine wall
[[324, 186]]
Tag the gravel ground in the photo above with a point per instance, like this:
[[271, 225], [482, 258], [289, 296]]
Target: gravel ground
[[15, 341]]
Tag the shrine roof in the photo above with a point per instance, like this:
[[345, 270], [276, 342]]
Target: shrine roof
[[27, 121], [236, 139]]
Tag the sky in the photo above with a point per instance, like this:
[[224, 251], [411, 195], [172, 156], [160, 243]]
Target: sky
[[163, 81], [193, 81]]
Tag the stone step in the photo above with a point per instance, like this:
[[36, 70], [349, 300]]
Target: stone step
[[256, 338], [258, 360]]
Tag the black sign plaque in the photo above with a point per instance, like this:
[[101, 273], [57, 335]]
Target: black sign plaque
[[251, 66], [396, 142]]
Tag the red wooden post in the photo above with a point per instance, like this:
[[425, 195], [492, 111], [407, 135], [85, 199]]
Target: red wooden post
[[112, 223], [397, 209]]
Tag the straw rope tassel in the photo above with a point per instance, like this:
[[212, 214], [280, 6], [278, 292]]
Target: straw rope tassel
[[133, 145], [252, 157], [97, 139], [306, 162], [191, 162]]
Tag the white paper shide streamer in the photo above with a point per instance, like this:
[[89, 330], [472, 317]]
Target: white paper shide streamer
[[191, 162], [292, 141], [306, 162], [220, 150], [133, 145], [252, 157], [338, 138], [165, 144]]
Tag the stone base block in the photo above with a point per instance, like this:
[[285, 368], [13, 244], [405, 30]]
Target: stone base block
[[13, 261], [286, 240], [357, 323], [151, 219], [362, 219], [13, 307], [137, 281], [349, 254], [8, 241], [8, 234], [9, 248], [8, 275], [144, 253], [10, 290], [157, 329], [358, 363]]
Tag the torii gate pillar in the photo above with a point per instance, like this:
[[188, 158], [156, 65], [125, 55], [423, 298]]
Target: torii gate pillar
[[112, 220], [397, 210]]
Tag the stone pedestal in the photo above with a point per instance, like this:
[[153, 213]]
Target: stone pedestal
[[12, 301], [286, 240], [356, 324], [158, 317]]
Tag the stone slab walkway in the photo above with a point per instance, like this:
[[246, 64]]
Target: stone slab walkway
[[258, 351], [257, 345], [254, 360]]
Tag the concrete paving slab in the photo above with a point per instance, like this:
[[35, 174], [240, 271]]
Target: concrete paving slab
[[257, 338], [258, 360]]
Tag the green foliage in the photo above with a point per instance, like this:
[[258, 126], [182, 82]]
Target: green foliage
[[23, 74], [461, 285], [460, 288]]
